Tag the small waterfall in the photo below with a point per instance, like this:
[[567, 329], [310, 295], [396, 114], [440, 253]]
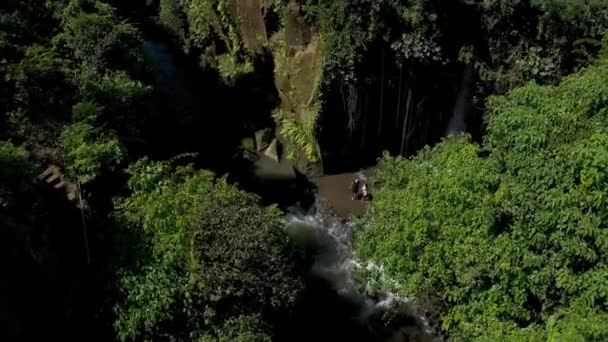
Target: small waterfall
[[458, 123], [383, 316]]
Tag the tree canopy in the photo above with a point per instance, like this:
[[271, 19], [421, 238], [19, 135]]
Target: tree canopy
[[506, 240], [214, 263], [105, 233]]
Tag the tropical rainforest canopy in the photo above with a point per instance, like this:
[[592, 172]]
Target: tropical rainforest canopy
[[125, 213]]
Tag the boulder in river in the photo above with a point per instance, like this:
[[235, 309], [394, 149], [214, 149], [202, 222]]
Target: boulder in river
[[272, 151], [263, 138]]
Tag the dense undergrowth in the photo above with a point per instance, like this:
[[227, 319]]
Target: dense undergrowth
[[505, 240]]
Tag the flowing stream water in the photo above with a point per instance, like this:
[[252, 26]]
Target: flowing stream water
[[376, 316]]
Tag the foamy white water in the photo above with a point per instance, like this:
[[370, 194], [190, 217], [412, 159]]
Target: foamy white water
[[332, 241]]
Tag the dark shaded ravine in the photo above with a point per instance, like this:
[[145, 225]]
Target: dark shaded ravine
[[333, 305], [194, 111]]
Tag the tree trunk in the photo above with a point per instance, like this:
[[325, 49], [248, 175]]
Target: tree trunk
[[406, 118], [399, 97], [426, 131], [353, 110], [421, 141], [364, 123], [343, 97], [381, 95]]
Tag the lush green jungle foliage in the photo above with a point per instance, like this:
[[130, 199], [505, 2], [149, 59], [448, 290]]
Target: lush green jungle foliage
[[212, 263], [499, 240], [506, 241], [181, 255]]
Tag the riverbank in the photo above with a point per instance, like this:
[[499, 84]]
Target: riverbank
[[335, 191]]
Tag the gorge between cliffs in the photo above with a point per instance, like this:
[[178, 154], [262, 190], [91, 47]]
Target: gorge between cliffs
[[183, 170]]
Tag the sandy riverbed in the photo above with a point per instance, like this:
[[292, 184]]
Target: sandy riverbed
[[335, 190]]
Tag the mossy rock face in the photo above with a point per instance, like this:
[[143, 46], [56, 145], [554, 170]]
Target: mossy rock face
[[263, 138], [273, 151], [297, 33], [249, 16], [233, 34], [297, 52]]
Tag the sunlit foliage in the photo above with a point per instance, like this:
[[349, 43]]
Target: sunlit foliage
[[501, 245], [215, 262]]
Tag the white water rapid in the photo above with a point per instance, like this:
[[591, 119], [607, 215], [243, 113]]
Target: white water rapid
[[382, 316]]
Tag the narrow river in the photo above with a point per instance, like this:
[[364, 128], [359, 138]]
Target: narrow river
[[338, 308]]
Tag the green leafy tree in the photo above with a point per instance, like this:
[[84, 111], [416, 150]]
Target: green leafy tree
[[68, 89], [15, 166], [123, 99], [75, 61], [42, 86], [89, 151], [172, 16], [498, 245], [94, 34], [210, 25], [578, 323], [95, 38], [544, 47], [214, 259]]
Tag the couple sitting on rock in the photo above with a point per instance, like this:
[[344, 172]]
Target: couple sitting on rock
[[358, 189]]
